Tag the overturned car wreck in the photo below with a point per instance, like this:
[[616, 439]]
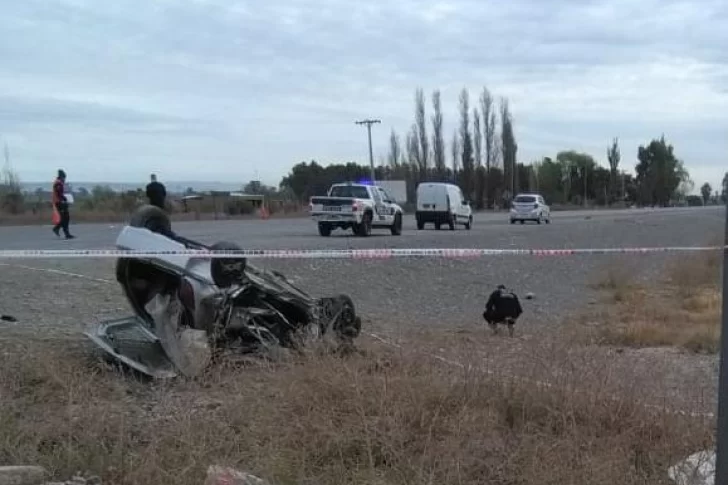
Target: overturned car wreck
[[190, 310]]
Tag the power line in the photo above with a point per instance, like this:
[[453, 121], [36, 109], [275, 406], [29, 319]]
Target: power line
[[369, 123]]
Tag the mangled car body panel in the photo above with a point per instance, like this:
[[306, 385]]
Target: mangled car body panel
[[192, 309]]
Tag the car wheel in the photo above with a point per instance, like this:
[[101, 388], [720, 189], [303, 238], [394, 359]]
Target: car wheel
[[513, 221], [226, 271], [364, 229], [522, 221], [437, 226], [548, 219], [324, 229], [348, 325], [397, 226], [420, 225], [469, 224], [451, 222], [540, 218], [152, 218]]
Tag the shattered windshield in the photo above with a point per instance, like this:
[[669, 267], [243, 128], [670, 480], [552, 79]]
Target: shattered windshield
[[356, 191]]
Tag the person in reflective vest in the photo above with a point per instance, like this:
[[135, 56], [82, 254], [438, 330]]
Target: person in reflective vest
[[61, 216]]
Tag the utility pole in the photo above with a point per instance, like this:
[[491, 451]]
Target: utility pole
[[369, 123]]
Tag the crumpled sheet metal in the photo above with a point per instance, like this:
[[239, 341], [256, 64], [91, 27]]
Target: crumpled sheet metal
[[188, 349]]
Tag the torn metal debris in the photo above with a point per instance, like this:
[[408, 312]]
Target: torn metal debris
[[190, 310]]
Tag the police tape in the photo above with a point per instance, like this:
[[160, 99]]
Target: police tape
[[379, 253]]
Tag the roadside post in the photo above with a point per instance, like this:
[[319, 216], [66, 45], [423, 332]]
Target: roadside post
[[721, 451]]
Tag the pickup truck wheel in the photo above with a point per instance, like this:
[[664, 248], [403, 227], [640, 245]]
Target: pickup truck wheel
[[397, 226], [469, 224], [451, 222], [364, 229], [420, 225], [324, 229]]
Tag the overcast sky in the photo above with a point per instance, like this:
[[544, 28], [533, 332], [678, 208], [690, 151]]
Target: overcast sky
[[220, 90]]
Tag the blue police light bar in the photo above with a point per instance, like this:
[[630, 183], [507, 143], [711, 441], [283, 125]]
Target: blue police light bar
[[365, 182]]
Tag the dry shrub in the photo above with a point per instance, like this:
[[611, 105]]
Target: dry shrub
[[102, 216], [377, 418], [680, 309]]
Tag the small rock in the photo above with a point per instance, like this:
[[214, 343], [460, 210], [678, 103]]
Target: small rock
[[697, 469], [218, 475], [22, 475]]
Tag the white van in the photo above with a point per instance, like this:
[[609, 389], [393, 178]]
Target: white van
[[442, 203]]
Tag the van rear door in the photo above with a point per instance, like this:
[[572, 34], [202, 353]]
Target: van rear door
[[431, 197]]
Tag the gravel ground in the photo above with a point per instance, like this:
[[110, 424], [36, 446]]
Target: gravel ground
[[393, 296]]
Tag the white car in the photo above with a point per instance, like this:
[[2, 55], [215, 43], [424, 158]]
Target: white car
[[530, 207], [442, 203]]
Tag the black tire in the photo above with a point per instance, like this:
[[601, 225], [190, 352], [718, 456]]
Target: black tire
[[226, 271], [397, 226], [420, 225], [451, 222], [364, 229], [153, 218], [522, 221], [437, 226], [469, 224], [348, 326], [513, 221], [324, 229]]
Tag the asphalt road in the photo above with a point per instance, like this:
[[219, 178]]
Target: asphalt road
[[567, 230]]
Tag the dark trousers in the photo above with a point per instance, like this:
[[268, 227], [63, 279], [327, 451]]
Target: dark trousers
[[62, 208], [494, 318]]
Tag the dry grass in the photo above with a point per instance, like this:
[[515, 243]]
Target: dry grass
[[383, 417], [100, 216], [681, 309]]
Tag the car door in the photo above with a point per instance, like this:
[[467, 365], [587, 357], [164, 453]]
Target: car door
[[388, 208], [462, 211], [380, 208], [544, 207]]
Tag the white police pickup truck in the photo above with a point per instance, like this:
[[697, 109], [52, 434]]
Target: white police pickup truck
[[359, 207]]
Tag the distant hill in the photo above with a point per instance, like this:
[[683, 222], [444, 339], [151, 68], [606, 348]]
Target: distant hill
[[173, 187]]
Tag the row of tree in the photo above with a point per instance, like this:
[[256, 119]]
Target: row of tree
[[483, 162]]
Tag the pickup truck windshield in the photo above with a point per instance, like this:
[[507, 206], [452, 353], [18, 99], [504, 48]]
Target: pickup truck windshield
[[355, 191]]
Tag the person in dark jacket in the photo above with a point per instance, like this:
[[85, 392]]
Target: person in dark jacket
[[60, 203], [156, 192], [503, 307]]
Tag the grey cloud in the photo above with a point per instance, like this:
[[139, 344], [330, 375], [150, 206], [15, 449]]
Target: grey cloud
[[20, 111]]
